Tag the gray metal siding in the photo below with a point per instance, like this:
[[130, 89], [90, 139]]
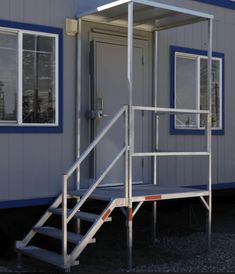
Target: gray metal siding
[[31, 165], [193, 171]]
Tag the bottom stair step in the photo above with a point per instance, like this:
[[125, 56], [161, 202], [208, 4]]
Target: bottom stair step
[[58, 234], [42, 254]]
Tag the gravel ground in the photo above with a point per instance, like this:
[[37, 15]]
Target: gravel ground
[[181, 247]]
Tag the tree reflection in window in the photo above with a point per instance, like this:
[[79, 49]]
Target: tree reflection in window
[[8, 76], [38, 79]]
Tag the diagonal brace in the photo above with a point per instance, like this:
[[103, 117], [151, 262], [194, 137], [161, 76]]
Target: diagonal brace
[[204, 203]]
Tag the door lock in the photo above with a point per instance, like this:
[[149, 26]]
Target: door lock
[[97, 114]]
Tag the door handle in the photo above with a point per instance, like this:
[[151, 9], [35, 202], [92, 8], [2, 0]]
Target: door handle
[[92, 114], [100, 114]]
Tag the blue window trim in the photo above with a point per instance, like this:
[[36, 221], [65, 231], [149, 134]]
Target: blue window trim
[[40, 129], [221, 3], [176, 131]]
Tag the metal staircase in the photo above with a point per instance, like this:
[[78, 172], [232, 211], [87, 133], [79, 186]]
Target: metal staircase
[[66, 259]]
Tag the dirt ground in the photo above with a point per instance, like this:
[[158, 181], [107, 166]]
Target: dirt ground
[[181, 246]]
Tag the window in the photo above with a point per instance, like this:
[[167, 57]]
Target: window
[[189, 89], [30, 84]]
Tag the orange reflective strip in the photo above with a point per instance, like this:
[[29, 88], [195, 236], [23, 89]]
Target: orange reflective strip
[[130, 214], [106, 214], [153, 198]]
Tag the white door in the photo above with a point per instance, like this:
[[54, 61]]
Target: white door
[[110, 93]]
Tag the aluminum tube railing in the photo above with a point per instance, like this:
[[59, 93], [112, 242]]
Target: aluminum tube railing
[[170, 110], [76, 165], [186, 153], [95, 142], [94, 186]]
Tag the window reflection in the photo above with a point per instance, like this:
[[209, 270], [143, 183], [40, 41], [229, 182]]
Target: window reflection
[[38, 79], [191, 91], [215, 100], [8, 76]]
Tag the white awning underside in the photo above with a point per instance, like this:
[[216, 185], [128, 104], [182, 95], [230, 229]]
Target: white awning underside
[[148, 15]]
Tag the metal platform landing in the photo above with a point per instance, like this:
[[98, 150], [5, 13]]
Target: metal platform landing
[[146, 192]]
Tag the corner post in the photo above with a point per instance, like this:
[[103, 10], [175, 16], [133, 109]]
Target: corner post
[[155, 134], [78, 110], [131, 131], [209, 126], [64, 221], [19, 260]]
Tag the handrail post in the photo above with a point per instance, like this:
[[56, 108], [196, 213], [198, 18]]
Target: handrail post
[[155, 135], [209, 125], [64, 220], [126, 154], [131, 129]]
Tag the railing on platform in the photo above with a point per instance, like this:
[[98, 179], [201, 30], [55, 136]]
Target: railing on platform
[[128, 150]]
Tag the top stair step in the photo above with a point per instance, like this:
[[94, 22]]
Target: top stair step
[[85, 216], [94, 195]]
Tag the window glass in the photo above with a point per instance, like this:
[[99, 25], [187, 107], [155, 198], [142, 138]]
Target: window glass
[[191, 90], [38, 79], [186, 90], [8, 76], [215, 92]]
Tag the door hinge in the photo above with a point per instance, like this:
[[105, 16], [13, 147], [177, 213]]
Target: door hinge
[[142, 163], [90, 63], [91, 58], [142, 59]]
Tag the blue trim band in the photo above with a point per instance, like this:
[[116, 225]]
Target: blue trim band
[[221, 3], [26, 203], [220, 186], [40, 129], [176, 131]]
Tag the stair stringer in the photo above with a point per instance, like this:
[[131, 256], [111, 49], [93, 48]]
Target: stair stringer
[[40, 223], [91, 233]]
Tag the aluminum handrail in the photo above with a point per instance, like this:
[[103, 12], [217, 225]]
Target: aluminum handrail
[[95, 142], [76, 165], [158, 110], [178, 153], [94, 186], [170, 110]]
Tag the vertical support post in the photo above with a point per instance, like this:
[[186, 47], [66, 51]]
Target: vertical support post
[[78, 97], [78, 110], [64, 220], [209, 126], [19, 260], [126, 153], [131, 130], [155, 134]]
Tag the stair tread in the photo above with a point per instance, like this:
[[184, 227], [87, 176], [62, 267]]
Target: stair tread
[[58, 234], [86, 216], [94, 195], [42, 254]]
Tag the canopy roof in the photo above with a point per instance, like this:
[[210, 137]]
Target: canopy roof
[[148, 15]]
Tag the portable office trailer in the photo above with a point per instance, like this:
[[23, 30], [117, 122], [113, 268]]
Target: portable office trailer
[[35, 156], [117, 83], [41, 113]]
